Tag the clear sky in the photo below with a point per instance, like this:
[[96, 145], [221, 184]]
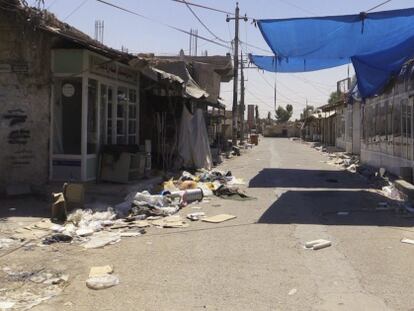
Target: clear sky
[[141, 35]]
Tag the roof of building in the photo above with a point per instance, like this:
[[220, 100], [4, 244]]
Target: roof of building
[[222, 65], [48, 22]]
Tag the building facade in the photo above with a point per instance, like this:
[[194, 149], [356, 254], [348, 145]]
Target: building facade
[[387, 125], [63, 95]]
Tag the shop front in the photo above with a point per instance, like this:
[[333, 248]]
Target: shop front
[[94, 102]]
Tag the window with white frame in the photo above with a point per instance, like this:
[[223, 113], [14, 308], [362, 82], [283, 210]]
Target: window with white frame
[[120, 120], [132, 117]]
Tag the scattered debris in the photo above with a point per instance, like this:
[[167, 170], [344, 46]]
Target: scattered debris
[[318, 244], [225, 192], [59, 212], [6, 243], [100, 270], [106, 225], [24, 289], [102, 239], [391, 192], [292, 292], [170, 222], [131, 234], [407, 241], [101, 277], [57, 238], [195, 216], [102, 282], [4, 305], [219, 218], [196, 207]]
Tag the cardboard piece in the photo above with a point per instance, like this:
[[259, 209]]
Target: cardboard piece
[[219, 218], [101, 270], [74, 196], [170, 222]]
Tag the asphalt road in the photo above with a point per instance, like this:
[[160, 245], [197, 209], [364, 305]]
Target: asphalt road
[[256, 261]]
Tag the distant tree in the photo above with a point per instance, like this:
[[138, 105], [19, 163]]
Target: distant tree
[[269, 115], [334, 97], [307, 111], [257, 112], [284, 114]]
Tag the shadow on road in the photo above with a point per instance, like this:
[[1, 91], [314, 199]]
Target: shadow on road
[[322, 207], [300, 178], [26, 206]]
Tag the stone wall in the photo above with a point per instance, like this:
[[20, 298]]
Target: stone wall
[[25, 85]]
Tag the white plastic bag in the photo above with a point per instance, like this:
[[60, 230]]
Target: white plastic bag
[[102, 282]]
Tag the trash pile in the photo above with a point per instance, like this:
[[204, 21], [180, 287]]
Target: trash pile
[[352, 164], [22, 290], [96, 229], [342, 159], [392, 192], [221, 184]]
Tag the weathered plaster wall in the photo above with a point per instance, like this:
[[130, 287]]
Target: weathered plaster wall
[[24, 102]]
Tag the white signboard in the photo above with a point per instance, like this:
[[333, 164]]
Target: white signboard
[[68, 90]]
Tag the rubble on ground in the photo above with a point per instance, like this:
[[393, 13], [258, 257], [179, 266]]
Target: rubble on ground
[[378, 177], [23, 289], [106, 226]]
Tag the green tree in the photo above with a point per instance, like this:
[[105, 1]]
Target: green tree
[[284, 114], [334, 97]]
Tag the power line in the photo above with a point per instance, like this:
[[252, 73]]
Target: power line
[[278, 93], [377, 6], [162, 23], [298, 7], [203, 24], [255, 47], [76, 9], [258, 98], [204, 7], [51, 4]]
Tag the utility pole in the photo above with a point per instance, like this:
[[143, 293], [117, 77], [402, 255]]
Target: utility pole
[[241, 112], [235, 70]]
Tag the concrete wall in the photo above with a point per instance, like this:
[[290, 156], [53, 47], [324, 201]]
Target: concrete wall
[[24, 102], [379, 159], [356, 128], [289, 129]]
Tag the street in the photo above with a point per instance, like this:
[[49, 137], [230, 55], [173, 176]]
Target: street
[[256, 261]]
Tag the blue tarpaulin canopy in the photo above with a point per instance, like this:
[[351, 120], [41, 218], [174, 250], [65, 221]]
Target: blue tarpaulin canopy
[[377, 43]]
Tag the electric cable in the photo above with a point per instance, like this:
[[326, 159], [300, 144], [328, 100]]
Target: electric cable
[[76, 9], [203, 24], [162, 23]]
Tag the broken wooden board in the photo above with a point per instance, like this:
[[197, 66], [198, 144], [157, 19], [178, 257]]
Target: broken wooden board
[[219, 218]]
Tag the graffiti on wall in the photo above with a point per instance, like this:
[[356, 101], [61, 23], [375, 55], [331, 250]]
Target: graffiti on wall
[[18, 137], [15, 116]]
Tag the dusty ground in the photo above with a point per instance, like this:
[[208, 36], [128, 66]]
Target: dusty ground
[[256, 261]]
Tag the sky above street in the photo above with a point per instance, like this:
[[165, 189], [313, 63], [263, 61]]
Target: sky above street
[[140, 35]]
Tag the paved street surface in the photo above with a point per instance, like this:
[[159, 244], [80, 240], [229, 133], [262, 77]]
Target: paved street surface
[[256, 261]]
